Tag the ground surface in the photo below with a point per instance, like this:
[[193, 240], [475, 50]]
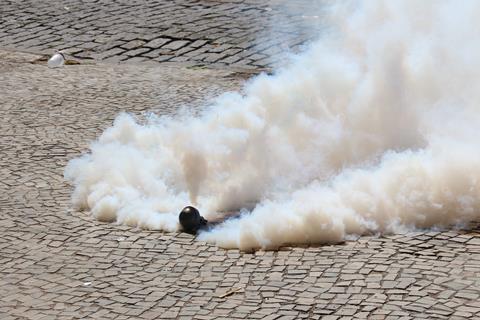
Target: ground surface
[[56, 263], [247, 34]]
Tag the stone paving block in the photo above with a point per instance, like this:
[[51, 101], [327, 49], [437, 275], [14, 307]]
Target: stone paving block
[[175, 45], [157, 43]]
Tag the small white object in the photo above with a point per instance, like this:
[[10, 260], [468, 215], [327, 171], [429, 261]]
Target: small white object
[[87, 284], [56, 61]]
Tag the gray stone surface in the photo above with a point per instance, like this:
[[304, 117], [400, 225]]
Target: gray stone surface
[[56, 263], [247, 34]]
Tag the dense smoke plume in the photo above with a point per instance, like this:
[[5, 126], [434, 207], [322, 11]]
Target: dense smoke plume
[[372, 130]]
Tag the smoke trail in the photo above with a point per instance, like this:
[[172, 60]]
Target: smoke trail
[[372, 130]]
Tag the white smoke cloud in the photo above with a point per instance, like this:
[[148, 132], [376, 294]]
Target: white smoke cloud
[[373, 129]]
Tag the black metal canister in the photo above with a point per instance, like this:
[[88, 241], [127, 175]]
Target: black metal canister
[[191, 220]]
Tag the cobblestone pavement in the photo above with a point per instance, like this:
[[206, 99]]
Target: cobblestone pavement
[[246, 34], [56, 263]]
